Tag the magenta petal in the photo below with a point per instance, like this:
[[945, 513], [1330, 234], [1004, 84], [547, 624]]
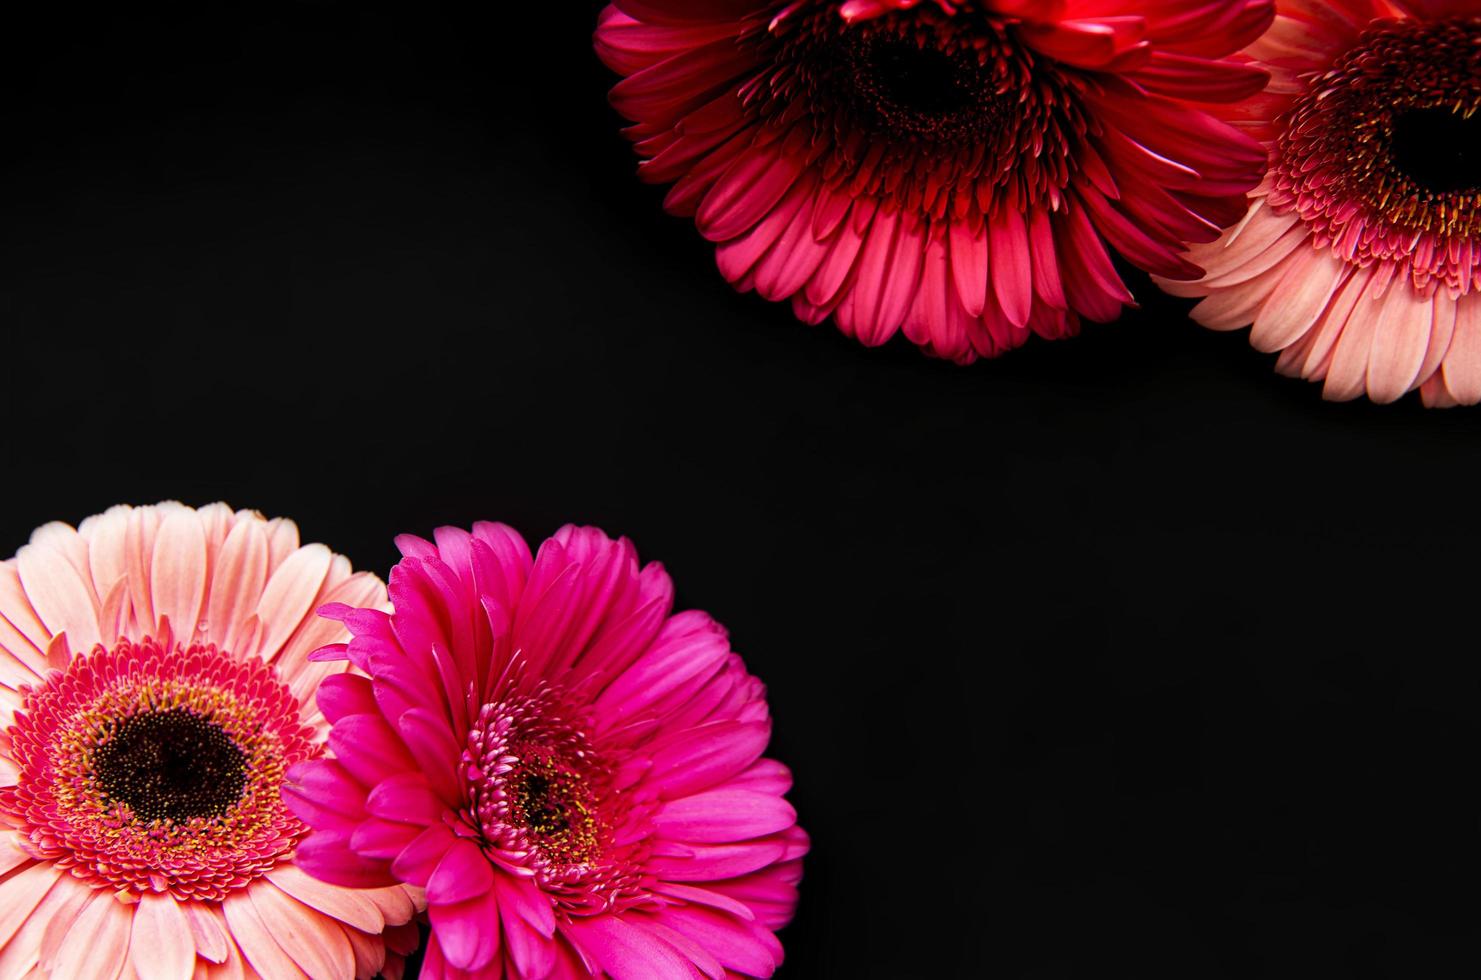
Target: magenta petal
[[419, 859], [707, 756], [345, 694], [468, 932], [462, 873], [724, 815], [323, 795], [405, 797], [329, 858], [532, 954], [523, 896], [330, 652], [367, 747], [734, 943], [382, 839], [626, 951], [435, 751], [718, 861]]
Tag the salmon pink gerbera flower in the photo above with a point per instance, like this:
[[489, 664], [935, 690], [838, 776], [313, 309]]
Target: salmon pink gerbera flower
[[572, 771], [142, 831], [956, 169], [1359, 259]]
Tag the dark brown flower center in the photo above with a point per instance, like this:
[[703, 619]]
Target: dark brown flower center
[[917, 79], [170, 765], [1390, 128], [908, 90], [555, 807], [920, 105], [1439, 149], [908, 77]]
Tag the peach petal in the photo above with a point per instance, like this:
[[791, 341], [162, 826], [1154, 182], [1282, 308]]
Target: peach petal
[[57, 592], [289, 595], [161, 947]]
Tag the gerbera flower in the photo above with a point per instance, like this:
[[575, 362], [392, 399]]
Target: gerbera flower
[[572, 771], [1360, 256], [957, 169], [154, 686]]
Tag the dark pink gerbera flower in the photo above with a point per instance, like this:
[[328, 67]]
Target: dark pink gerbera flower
[[572, 771], [954, 169]]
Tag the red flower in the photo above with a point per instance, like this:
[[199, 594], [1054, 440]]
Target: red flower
[[955, 169]]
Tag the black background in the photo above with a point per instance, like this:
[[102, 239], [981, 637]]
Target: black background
[[1113, 654]]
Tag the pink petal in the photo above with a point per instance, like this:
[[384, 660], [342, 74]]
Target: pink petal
[[53, 915], [161, 946], [21, 893], [1462, 366], [382, 840], [707, 756], [314, 941], [345, 904], [405, 797], [62, 600], [290, 594], [625, 951], [724, 815], [177, 576], [709, 862], [468, 932], [436, 753], [735, 943], [97, 944], [207, 930], [1400, 340], [255, 939], [345, 694], [367, 748], [330, 858], [462, 873], [420, 858]]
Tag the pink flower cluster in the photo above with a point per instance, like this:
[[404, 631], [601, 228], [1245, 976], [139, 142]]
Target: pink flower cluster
[[534, 753]]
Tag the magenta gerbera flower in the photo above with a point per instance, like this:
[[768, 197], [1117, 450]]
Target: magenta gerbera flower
[[1360, 257], [960, 170], [571, 770], [142, 831]]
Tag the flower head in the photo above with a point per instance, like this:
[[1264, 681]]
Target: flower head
[[572, 771], [1360, 256], [141, 817], [953, 169]]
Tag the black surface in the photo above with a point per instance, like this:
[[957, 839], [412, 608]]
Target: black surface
[[1114, 654]]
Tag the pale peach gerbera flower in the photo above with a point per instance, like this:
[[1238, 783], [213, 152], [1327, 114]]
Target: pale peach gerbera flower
[[1360, 257], [155, 683]]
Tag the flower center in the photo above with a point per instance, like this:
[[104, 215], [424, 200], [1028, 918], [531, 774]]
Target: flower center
[[541, 798], [906, 89], [1439, 149], [917, 79], [171, 765], [535, 783], [554, 804], [1380, 156], [156, 768], [920, 105]]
